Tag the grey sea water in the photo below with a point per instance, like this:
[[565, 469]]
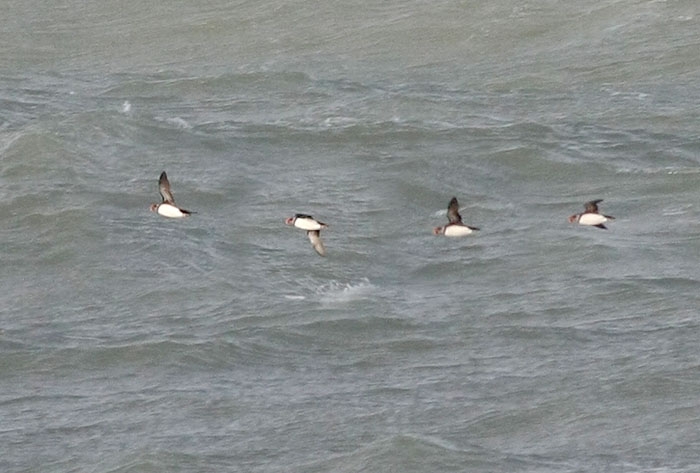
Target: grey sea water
[[134, 343]]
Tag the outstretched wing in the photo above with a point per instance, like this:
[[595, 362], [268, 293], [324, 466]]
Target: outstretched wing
[[592, 206], [164, 188], [315, 239], [453, 211]]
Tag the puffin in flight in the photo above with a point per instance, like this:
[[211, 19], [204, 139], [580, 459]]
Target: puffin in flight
[[167, 207], [591, 216], [313, 230], [455, 228]]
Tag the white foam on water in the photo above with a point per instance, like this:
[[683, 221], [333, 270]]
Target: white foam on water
[[338, 292], [677, 210], [178, 122]]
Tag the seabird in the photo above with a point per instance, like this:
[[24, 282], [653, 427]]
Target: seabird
[[455, 227], [167, 207], [313, 230], [591, 216]]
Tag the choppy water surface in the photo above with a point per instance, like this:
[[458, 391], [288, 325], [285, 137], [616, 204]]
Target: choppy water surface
[[222, 342]]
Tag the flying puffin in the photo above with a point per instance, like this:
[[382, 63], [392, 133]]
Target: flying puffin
[[167, 207], [313, 230], [591, 216], [455, 228]]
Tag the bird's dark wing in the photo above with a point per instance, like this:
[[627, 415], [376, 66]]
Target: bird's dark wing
[[315, 239], [164, 188], [592, 206], [453, 211]]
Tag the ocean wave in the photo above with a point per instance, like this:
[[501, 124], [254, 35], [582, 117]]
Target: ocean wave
[[330, 292], [400, 452], [335, 292], [177, 122]]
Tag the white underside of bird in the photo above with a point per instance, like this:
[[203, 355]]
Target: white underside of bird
[[591, 219], [307, 223], [457, 231], [170, 211]]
